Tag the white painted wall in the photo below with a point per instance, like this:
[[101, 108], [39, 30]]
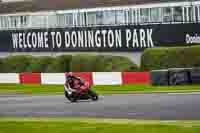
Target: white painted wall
[[13, 0], [107, 78], [9, 78], [53, 78]]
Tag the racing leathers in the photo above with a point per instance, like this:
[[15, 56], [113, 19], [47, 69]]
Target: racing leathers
[[77, 84]]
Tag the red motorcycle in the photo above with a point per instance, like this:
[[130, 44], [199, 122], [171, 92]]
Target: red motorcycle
[[82, 93]]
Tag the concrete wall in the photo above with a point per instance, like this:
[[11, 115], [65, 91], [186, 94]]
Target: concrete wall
[[134, 56], [93, 78]]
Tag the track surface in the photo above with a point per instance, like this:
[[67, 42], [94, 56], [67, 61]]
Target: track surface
[[141, 106]]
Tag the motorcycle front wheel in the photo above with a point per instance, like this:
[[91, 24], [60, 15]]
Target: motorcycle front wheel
[[93, 95]]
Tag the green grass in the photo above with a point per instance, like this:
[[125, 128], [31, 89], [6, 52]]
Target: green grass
[[70, 125], [106, 89]]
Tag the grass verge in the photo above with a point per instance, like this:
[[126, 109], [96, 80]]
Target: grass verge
[[106, 89], [84, 125]]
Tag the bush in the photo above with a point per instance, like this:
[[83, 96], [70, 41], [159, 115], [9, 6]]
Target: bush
[[176, 57], [83, 63], [114, 64], [65, 63], [99, 63], [40, 64], [16, 64], [50, 64], [2, 66], [60, 64]]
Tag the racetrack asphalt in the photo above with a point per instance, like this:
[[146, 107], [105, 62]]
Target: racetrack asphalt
[[132, 106]]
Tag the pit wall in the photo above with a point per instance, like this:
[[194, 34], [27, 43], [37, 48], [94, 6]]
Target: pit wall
[[94, 78]]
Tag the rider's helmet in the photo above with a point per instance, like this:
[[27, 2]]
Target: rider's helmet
[[68, 75]]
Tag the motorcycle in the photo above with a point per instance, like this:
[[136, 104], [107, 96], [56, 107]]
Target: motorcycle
[[72, 95]]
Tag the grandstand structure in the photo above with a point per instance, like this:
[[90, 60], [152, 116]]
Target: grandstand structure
[[117, 27]]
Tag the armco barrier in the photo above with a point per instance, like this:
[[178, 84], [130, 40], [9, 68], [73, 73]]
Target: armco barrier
[[30, 78], [136, 78]]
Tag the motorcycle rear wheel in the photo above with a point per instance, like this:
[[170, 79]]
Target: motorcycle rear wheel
[[70, 98]]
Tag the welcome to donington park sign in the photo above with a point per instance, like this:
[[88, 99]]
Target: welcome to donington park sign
[[105, 38]]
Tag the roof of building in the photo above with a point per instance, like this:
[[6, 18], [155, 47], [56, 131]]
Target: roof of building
[[41, 5]]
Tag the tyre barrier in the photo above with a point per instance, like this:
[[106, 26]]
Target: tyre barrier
[[195, 75], [179, 76], [159, 77], [176, 76]]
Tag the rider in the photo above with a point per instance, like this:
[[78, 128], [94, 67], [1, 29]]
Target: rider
[[76, 83]]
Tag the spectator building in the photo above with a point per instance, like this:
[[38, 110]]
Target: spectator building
[[117, 27]]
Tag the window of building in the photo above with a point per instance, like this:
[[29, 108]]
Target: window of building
[[134, 16], [68, 19], [108, 17], [120, 17], [81, 19], [60, 20], [91, 17], [24, 21], [52, 21], [155, 15], [99, 18], [39, 21], [177, 14], [64, 20], [75, 19], [167, 14], [194, 15], [5, 22], [188, 14], [21, 20], [130, 16], [14, 21], [144, 15], [185, 14], [0, 23], [126, 13], [197, 10], [137, 15]]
